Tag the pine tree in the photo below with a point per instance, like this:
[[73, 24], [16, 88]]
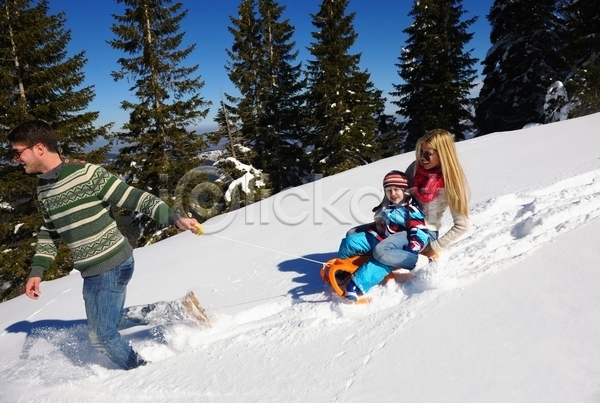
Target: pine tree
[[157, 138], [38, 80], [581, 46], [234, 160], [438, 74], [522, 64], [390, 138], [342, 102], [229, 135], [243, 69], [281, 155], [270, 85]]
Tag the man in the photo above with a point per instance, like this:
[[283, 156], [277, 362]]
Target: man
[[75, 200]]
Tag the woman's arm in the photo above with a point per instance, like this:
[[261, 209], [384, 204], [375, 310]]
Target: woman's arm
[[461, 225]]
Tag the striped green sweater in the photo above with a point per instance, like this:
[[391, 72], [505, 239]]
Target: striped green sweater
[[75, 200]]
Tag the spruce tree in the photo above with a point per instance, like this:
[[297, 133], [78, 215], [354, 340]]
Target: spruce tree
[[281, 154], [522, 64], [581, 46], [269, 107], [342, 102], [243, 70], [157, 138], [229, 135], [390, 138], [437, 72], [38, 80]]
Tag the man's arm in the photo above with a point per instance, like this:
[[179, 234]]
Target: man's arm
[[118, 193], [48, 241]]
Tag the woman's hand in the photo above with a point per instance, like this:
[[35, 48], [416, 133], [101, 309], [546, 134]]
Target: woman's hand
[[430, 253]]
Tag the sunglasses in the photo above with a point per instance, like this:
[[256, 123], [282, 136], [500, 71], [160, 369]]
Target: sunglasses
[[427, 155], [17, 153]]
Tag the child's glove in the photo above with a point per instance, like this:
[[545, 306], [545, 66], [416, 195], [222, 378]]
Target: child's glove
[[412, 247]]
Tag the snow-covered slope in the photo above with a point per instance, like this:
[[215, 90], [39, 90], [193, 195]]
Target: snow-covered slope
[[509, 313]]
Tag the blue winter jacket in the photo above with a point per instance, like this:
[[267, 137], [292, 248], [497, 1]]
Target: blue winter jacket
[[408, 217]]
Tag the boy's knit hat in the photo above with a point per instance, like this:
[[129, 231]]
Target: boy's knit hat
[[395, 178]]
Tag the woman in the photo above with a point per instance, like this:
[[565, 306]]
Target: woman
[[437, 183]]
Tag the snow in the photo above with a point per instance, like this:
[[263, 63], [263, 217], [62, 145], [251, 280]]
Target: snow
[[17, 227], [243, 182], [508, 314]]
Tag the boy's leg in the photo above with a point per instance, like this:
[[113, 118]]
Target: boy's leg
[[370, 274], [104, 297], [361, 243], [360, 228]]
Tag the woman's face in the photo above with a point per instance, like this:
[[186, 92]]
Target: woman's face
[[429, 157]]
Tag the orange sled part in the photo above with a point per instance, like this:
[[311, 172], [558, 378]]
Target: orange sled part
[[349, 265]]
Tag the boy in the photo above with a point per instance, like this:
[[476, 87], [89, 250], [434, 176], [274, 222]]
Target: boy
[[396, 214]]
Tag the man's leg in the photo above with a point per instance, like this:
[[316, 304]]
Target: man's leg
[[155, 314], [104, 297]]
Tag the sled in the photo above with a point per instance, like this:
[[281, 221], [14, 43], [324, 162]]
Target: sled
[[336, 272]]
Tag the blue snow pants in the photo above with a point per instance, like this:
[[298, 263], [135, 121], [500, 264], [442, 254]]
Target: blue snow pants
[[388, 255]]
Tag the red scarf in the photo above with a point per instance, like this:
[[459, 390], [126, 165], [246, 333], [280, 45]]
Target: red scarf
[[427, 183]]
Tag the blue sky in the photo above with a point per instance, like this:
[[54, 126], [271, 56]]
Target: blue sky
[[379, 24]]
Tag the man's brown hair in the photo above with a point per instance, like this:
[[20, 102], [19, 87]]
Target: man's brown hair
[[33, 132]]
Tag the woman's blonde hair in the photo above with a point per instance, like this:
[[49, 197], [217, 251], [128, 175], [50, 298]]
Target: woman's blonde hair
[[455, 182]]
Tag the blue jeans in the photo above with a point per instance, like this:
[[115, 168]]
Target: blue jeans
[[388, 255], [104, 297]]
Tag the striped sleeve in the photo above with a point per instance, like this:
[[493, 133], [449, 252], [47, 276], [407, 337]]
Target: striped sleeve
[[118, 193]]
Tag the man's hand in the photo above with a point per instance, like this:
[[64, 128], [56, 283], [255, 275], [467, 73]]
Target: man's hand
[[32, 288], [188, 224]]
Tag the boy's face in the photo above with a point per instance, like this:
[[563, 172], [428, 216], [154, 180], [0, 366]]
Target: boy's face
[[394, 194]]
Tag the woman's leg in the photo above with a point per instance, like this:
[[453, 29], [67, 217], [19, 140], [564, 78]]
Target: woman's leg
[[390, 252], [388, 255]]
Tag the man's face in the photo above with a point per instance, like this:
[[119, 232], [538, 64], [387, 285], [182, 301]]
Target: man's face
[[28, 157]]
